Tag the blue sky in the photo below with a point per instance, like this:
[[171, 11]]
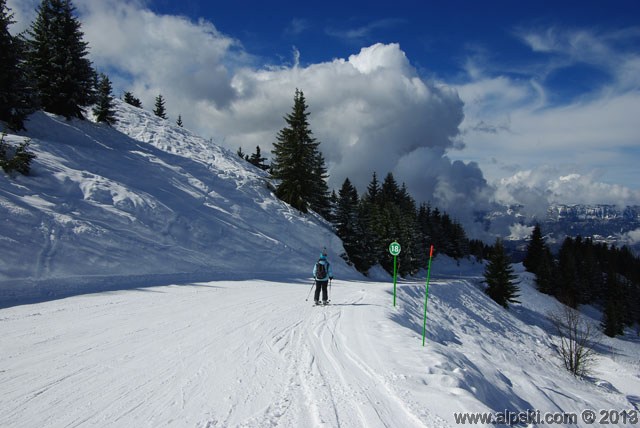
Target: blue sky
[[468, 102], [436, 36]]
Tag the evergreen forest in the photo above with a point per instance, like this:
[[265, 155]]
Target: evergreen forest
[[584, 272]]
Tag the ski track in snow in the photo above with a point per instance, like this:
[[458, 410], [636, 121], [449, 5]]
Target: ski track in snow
[[256, 354], [247, 354]]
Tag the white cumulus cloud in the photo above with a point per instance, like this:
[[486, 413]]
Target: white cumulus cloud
[[537, 188]]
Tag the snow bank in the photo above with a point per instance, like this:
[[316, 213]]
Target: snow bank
[[143, 203]]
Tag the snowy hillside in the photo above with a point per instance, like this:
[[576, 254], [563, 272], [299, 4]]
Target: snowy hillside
[[256, 354], [143, 203], [226, 338]]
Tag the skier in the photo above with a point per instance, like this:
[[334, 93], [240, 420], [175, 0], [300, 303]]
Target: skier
[[322, 273]]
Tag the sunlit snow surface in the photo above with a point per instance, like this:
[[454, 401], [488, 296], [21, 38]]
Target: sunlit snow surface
[[227, 338], [255, 353]]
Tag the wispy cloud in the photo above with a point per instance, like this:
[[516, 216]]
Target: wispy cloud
[[363, 33], [297, 26], [571, 148], [614, 52]]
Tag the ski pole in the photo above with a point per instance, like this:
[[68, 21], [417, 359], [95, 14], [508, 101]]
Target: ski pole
[[309, 293]]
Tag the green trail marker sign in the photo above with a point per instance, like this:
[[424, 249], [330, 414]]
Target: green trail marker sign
[[394, 249]]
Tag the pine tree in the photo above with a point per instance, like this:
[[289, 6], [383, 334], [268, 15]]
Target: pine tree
[[160, 109], [179, 121], [409, 258], [15, 98], [546, 275], [500, 278], [614, 311], [130, 99], [390, 191], [104, 109], [15, 158], [64, 78], [535, 250], [424, 235], [370, 213], [373, 190], [347, 216], [567, 289], [539, 261], [320, 197], [256, 159], [298, 164]]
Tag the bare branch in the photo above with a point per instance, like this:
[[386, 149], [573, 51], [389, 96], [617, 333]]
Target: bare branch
[[576, 340]]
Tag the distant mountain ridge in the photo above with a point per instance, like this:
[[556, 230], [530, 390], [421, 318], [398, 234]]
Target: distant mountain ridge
[[611, 224], [603, 212]]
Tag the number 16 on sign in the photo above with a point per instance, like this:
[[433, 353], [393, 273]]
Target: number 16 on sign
[[394, 249]]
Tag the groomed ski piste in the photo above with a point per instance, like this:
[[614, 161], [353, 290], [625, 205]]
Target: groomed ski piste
[[255, 354], [151, 279]]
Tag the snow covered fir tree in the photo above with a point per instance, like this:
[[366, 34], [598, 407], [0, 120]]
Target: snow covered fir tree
[[129, 98], [298, 164], [16, 100], [500, 278], [63, 77], [104, 109], [255, 159], [160, 109]]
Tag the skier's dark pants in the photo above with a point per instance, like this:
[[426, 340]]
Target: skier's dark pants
[[321, 285]]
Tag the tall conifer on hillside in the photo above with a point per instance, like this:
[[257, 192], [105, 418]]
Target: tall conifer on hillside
[[129, 98], [499, 277], [15, 98], [567, 289], [539, 261], [613, 316], [298, 163], [535, 250], [371, 216], [104, 109], [258, 160], [63, 77], [346, 221], [159, 109], [320, 200]]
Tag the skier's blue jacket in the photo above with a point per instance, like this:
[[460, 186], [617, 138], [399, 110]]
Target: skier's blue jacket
[[323, 260]]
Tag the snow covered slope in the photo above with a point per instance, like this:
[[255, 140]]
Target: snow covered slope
[[236, 344], [145, 202], [255, 354]]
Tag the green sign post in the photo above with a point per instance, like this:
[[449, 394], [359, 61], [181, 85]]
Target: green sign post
[[394, 249]]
